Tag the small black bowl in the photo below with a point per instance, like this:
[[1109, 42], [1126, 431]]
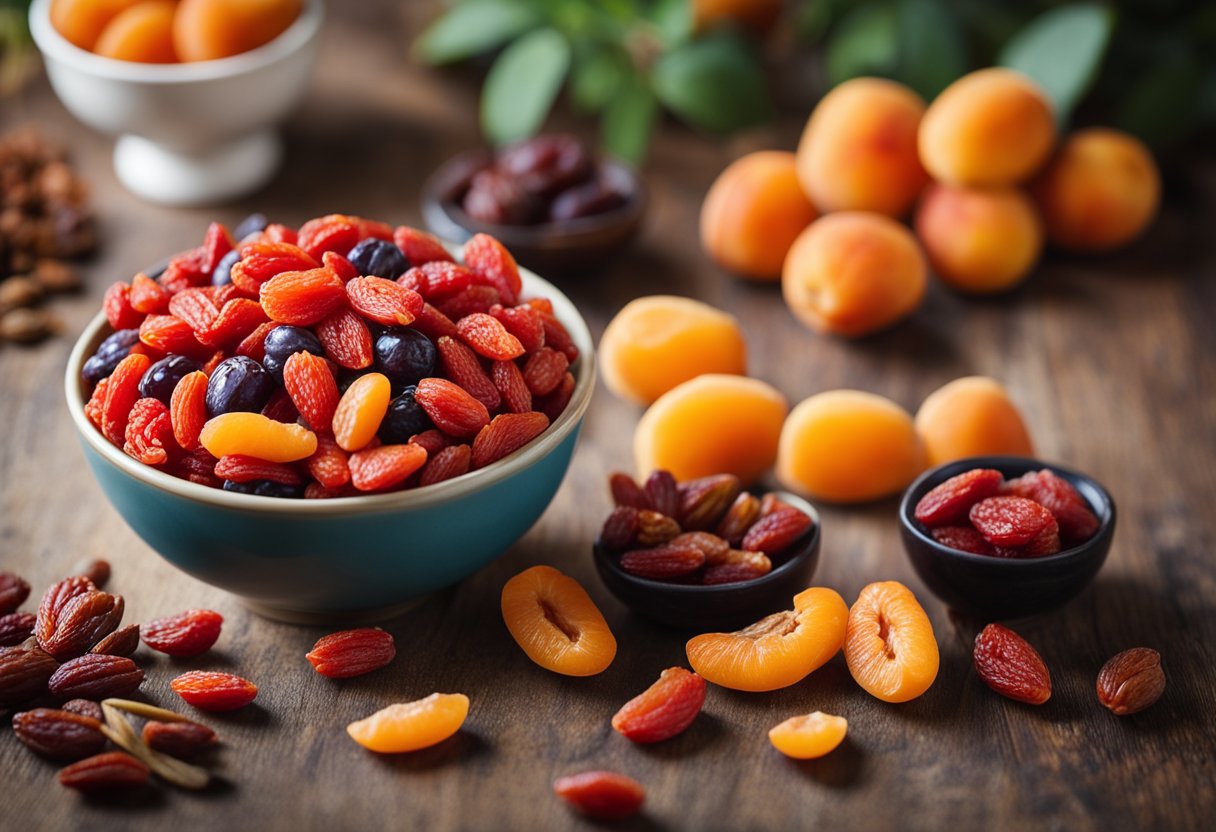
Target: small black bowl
[[723, 606], [993, 588], [550, 247]]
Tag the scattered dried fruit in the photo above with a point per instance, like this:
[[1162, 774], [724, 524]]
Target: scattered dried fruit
[[105, 772], [1131, 681], [601, 795], [178, 739], [188, 633], [95, 676], [352, 652], [24, 671], [809, 736], [1010, 666], [410, 726], [664, 709], [60, 735], [214, 691], [556, 623]]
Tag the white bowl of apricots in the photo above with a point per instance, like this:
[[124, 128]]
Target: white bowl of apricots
[[192, 89]]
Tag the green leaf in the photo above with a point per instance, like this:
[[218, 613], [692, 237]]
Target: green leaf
[[522, 84], [1062, 50], [597, 76], [714, 83], [865, 43], [1162, 104], [932, 47], [628, 120], [673, 19], [473, 27]]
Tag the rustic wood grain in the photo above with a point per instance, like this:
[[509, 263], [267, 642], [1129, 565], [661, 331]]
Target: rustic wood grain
[[1113, 361]]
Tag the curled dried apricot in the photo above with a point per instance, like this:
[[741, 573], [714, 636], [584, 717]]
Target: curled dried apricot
[[889, 644], [253, 434], [361, 410], [555, 622]]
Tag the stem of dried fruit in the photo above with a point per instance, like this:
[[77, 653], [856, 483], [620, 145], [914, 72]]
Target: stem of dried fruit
[[145, 710], [120, 732]]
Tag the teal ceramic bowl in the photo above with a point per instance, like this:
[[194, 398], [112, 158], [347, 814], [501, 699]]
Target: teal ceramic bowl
[[346, 559]]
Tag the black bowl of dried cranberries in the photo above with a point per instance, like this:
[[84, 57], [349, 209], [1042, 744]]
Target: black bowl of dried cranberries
[[554, 203], [1005, 537]]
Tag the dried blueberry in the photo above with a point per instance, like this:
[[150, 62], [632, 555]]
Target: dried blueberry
[[406, 356], [264, 488], [282, 341], [378, 258], [222, 275], [252, 224], [238, 384], [115, 348], [160, 379], [404, 418]]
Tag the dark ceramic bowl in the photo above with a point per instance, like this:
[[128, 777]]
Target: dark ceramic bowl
[[999, 588], [724, 606], [551, 247]]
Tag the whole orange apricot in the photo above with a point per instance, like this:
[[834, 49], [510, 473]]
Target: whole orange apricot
[[657, 342], [991, 127], [1100, 191], [853, 273], [979, 240], [82, 21], [753, 212], [858, 151], [848, 446], [714, 424], [971, 416], [205, 30], [142, 33]]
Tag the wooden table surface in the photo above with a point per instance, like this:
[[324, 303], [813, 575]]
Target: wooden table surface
[[1113, 361]]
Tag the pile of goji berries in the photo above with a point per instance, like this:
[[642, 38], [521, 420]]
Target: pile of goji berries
[[1037, 514], [369, 359]]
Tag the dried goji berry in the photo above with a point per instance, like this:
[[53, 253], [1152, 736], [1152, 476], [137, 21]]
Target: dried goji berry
[[263, 260], [620, 530], [490, 260], [554, 404], [949, 502], [378, 469], [438, 280], [195, 307], [334, 232], [93, 408], [434, 324], [278, 233], [419, 247], [185, 270], [244, 468], [601, 795], [663, 562], [506, 434], [963, 538], [216, 243], [664, 709], [1010, 666], [472, 299], [171, 335], [352, 653], [342, 267], [524, 323], [188, 633], [313, 389], [373, 228], [237, 319], [149, 297], [1009, 521], [383, 301], [118, 309], [558, 338], [330, 464], [346, 339], [486, 334], [432, 440], [214, 691], [149, 433], [446, 463], [1076, 520], [302, 298], [509, 382], [122, 391], [452, 409], [188, 409], [214, 361], [544, 370], [776, 532], [462, 366], [254, 344]]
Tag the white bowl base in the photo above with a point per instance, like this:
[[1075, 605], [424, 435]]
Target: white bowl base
[[171, 177]]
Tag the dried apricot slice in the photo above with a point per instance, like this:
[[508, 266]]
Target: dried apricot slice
[[253, 434], [555, 622], [808, 736], [776, 651], [361, 410], [889, 644], [409, 726]]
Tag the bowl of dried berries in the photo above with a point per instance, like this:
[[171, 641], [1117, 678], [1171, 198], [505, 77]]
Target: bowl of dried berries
[[550, 199], [332, 420], [1005, 537], [705, 553]]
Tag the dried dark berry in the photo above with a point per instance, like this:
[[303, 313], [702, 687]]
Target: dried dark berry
[[238, 384], [378, 258], [162, 377], [112, 350]]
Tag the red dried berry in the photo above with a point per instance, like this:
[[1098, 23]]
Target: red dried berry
[[330, 464], [545, 370], [171, 335], [343, 268], [446, 463], [663, 492], [1076, 520], [118, 309], [383, 301], [620, 530], [557, 337], [554, 404], [434, 324], [512, 388], [263, 260], [382, 468], [626, 492], [253, 345], [334, 232], [105, 772], [461, 365], [437, 281], [216, 243], [489, 259], [188, 409], [963, 538], [475, 299], [238, 319], [506, 434], [352, 652], [948, 503], [281, 408], [1009, 521], [313, 389], [486, 334], [432, 440], [214, 691], [149, 433], [419, 247], [195, 307], [664, 709], [346, 339], [188, 633], [450, 407], [242, 468], [185, 270], [524, 323], [178, 739], [1010, 666], [148, 297], [122, 391], [601, 795], [302, 298], [776, 532]]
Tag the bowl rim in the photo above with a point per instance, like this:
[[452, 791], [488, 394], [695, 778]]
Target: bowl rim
[[302, 31], [1105, 512], [474, 481], [540, 233], [690, 590]]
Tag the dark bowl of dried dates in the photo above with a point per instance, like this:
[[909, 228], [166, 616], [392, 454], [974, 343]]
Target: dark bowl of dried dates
[[555, 204], [1006, 537], [705, 554]]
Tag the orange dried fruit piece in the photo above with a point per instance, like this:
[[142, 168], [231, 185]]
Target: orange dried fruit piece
[[555, 622], [808, 736], [776, 651], [410, 726], [601, 795], [253, 434], [889, 643], [361, 410], [664, 709]]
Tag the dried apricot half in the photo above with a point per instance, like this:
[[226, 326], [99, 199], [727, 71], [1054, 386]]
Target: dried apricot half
[[808, 736], [776, 651], [553, 619], [409, 726], [889, 643]]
